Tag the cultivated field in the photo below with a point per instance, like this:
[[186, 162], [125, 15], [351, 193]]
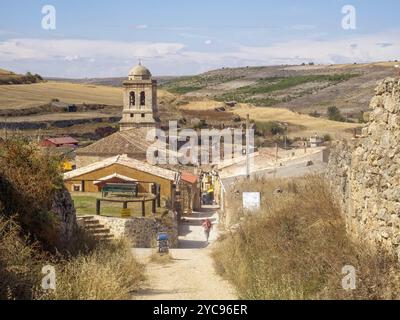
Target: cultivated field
[[33, 95], [304, 89]]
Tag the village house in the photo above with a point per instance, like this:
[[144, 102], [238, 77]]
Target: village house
[[63, 142], [189, 188], [122, 169]]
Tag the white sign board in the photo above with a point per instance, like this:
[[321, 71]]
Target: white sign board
[[251, 200]]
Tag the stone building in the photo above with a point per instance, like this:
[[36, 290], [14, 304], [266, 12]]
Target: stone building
[[139, 115], [122, 169], [140, 100]]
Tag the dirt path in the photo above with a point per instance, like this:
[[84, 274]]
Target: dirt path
[[191, 275]]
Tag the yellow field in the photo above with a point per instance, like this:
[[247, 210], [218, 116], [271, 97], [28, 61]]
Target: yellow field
[[30, 95], [321, 126], [311, 125]]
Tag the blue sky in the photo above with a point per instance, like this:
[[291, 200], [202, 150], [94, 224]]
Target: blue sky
[[173, 37]]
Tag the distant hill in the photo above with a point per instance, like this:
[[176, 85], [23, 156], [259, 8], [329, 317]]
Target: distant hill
[[112, 82], [305, 88], [9, 77]]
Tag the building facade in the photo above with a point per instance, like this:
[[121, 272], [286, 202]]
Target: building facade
[[140, 100]]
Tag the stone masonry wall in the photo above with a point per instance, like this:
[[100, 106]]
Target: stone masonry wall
[[365, 172], [142, 232]]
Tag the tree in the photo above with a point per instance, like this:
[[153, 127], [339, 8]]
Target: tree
[[334, 114]]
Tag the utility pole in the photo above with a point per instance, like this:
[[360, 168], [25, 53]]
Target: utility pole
[[247, 146]]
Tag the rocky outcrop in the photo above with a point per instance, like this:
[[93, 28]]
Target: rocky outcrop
[[63, 208], [365, 172]]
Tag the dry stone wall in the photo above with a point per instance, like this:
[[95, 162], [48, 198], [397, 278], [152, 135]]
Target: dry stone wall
[[365, 172], [142, 232]]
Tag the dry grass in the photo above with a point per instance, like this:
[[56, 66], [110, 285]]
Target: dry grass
[[91, 271], [31, 95], [162, 259], [309, 125], [19, 273], [109, 272], [296, 247]]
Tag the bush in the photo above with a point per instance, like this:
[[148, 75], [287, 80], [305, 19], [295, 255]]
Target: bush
[[270, 128], [28, 182], [334, 114], [296, 247]]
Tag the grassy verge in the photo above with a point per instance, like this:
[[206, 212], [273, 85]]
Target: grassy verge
[[296, 246], [85, 204], [109, 272], [90, 271]]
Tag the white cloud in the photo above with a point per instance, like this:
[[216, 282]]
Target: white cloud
[[72, 57], [208, 42], [40, 49], [142, 26]]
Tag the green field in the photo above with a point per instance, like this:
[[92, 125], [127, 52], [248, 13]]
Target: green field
[[184, 85], [275, 84]]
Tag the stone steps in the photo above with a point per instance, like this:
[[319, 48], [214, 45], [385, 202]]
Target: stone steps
[[95, 228]]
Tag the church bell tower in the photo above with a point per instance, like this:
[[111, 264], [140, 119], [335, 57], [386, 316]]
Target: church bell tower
[[140, 100]]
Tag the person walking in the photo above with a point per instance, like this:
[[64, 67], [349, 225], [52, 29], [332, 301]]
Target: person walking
[[207, 225]]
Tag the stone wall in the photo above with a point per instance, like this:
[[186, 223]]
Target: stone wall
[[142, 232], [365, 172]]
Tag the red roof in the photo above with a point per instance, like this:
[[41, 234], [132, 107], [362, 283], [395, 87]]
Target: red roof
[[188, 177], [63, 140]]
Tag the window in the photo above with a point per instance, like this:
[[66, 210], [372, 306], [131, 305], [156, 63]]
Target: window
[[132, 99], [142, 98], [143, 115], [77, 187], [131, 115]]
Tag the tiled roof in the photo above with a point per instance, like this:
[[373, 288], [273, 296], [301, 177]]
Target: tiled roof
[[188, 177], [122, 142], [125, 161], [63, 140]]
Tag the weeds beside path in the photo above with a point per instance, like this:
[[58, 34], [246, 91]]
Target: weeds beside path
[[191, 274]]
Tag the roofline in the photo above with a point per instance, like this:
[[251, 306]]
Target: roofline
[[123, 160]]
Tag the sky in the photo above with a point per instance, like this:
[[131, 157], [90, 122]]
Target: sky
[[98, 38]]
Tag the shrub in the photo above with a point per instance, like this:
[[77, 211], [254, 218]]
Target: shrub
[[269, 128], [334, 114], [296, 247], [28, 182]]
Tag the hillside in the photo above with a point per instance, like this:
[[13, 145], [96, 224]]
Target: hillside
[[43, 106], [304, 89], [284, 94], [8, 77]]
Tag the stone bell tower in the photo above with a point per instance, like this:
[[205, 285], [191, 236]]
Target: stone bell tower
[[140, 100]]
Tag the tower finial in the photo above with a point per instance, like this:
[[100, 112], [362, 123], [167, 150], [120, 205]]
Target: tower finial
[[140, 62]]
